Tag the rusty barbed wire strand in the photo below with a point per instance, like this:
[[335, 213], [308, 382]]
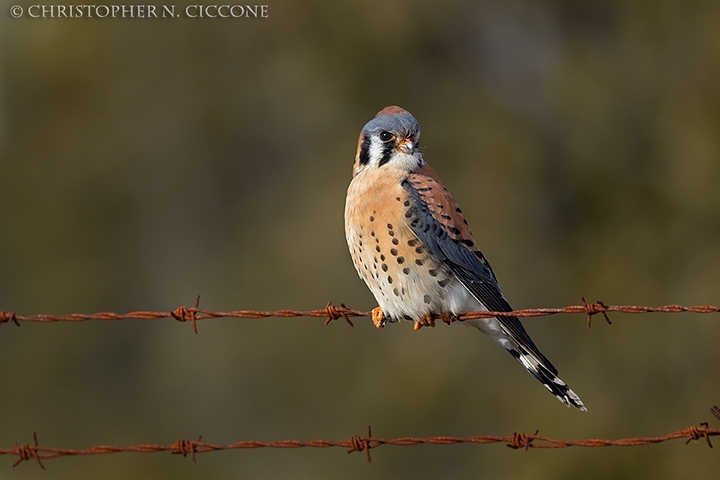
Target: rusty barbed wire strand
[[331, 312], [358, 443]]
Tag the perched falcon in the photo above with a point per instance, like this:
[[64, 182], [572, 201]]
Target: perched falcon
[[412, 246]]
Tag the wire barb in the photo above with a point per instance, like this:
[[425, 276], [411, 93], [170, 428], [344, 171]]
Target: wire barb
[[6, 317], [696, 433], [27, 452], [358, 444], [333, 313], [186, 447], [595, 308], [448, 318], [521, 440], [185, 314]]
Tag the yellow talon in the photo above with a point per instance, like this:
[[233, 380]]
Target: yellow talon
[[378, 317], [427, 320]]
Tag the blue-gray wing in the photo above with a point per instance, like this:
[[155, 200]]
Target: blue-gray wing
[[440, 225]]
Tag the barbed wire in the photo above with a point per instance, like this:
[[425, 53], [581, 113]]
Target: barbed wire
[[331, 312], [358, 443], [355, 443]]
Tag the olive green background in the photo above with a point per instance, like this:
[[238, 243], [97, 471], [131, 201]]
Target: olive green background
[[144, 162]]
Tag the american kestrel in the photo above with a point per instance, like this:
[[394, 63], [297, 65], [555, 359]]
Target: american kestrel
[[412, 246]]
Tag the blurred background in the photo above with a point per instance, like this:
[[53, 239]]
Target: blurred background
[[147, 161]]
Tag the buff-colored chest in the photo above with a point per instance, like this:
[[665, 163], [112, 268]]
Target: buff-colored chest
[[403, 275]]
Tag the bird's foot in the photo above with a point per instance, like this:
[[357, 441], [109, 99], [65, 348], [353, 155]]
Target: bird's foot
[[426, 320], [378, 317]]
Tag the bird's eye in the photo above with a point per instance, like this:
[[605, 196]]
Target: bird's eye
[[386, 136]]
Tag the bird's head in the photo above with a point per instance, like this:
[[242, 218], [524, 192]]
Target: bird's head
[[390, 140]]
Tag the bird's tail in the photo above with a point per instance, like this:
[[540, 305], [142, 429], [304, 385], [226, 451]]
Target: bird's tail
[[524, 351], [547, 376]]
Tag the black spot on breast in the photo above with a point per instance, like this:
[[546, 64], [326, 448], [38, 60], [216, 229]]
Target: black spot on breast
[[390, 279], [377, 248], [391, 233], [415, 223], [372, 219], [397, 198], [401, 260], [406, 203], [384, 267], [412, 243], [393, 252], [390, 227], [396, 292], [382, 257], [395, 241], [443, 283], [433, 272], [372, 234], [406, 271], [427, 299], [360, 243], [408, 214], [419, 249], [458, 210], [419, 262], [468, 243]]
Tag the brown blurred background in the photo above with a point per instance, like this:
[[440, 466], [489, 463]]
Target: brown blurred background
[[144, 162]]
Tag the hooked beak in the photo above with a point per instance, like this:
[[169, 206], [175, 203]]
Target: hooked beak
[[407, 146]]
